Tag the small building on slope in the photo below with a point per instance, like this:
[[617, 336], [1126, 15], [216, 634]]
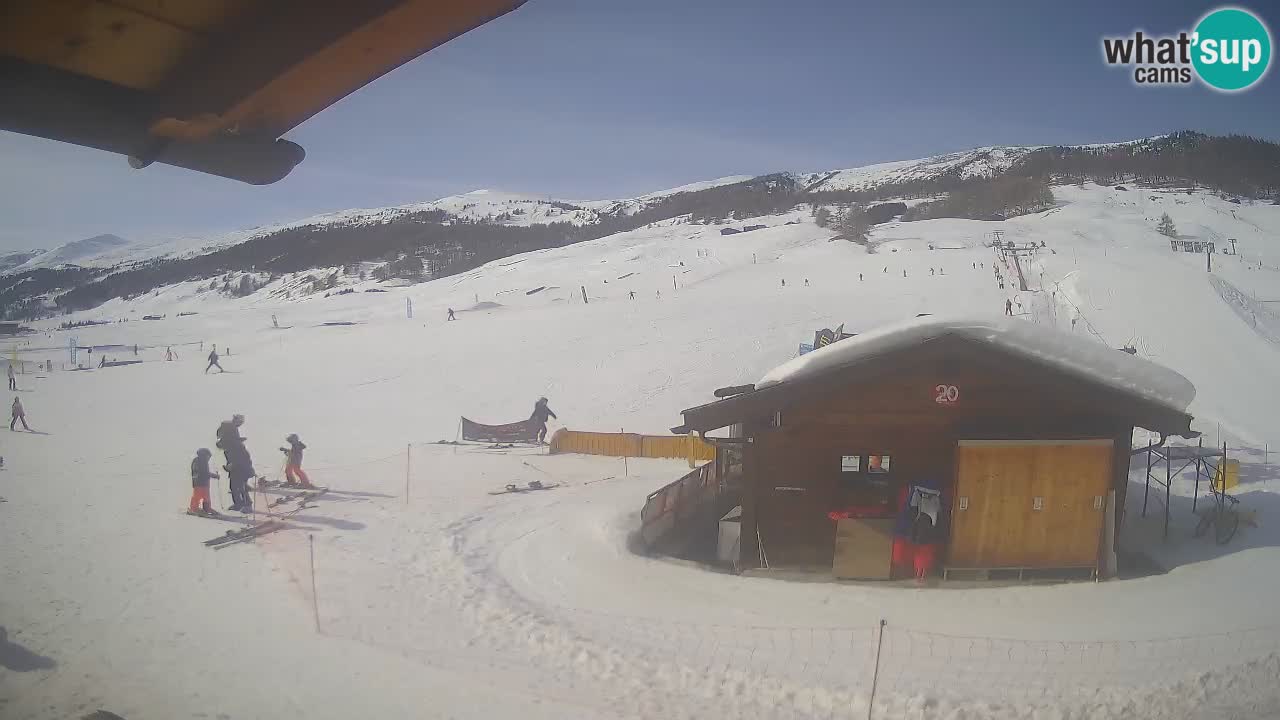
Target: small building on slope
[[973, 445]]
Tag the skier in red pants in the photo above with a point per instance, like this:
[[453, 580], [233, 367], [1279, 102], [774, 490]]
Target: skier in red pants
[[200, 474], [293, 462]]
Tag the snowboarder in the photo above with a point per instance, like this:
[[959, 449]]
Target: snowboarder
[[451, 317], [18, 414], [1008, 307], [293, 462], [239, 465], [13, 382], [540, 414], [200, 474], [213, 361]]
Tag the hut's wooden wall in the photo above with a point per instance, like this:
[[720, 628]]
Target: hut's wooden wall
[[795, 480]]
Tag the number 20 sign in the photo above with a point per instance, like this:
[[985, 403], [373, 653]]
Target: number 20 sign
[[946, 394]]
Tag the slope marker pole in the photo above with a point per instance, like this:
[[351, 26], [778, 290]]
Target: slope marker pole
[[315, 602]]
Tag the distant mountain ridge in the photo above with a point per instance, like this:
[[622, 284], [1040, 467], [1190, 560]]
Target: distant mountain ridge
[[74, 253], [453, 234]]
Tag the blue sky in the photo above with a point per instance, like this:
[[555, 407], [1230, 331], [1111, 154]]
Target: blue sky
[[583, 99]]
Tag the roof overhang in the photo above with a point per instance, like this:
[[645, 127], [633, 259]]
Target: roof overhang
[[208, 85], [761, 404]]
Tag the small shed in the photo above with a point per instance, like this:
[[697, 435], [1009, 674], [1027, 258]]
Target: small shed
[[979, 444]]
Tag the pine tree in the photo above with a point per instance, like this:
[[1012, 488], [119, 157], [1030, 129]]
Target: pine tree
[[853, 224], [821, 216], [1166, 227]]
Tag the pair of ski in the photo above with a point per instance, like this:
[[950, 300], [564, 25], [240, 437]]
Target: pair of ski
[[232, 537], [531, 487], [282, 485], [236, 536]]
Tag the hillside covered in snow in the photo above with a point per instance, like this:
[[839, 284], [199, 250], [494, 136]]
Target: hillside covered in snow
[[429, 592], [440, 238]]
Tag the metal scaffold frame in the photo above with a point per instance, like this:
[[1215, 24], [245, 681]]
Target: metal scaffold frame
[[1203, 459]]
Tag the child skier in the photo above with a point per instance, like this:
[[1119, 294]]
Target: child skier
[[293, 462], [200, 474]]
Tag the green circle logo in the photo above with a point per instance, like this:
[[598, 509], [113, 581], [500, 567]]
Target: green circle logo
[[1232, 49]]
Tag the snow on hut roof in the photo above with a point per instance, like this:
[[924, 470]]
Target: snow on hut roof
[[1069, 353]]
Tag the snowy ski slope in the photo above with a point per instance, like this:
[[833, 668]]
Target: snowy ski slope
[[450, 602]]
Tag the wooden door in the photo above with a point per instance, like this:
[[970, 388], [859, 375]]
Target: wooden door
[[864, 549], [995, 519]]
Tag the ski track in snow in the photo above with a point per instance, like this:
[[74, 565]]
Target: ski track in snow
[[462, 604]]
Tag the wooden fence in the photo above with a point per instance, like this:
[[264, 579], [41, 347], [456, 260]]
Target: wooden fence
[[632, 445], [667, 509]]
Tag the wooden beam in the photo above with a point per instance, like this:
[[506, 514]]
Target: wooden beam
[[293, 58], [59, 105]]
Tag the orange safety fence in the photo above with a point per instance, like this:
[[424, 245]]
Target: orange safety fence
[[632, 445]]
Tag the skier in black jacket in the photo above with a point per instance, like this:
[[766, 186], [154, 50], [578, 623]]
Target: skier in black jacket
[[200, 475], [540, 414], [239, 465]]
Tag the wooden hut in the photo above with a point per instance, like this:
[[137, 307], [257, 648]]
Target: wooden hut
[[1013, 439]]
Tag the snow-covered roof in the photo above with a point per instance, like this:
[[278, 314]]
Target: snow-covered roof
[[1069, 353]]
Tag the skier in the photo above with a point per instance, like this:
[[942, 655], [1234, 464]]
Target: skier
[[540, 414], [213, 361], [168, 354], [451, 317], [859, 277], [13, 382], [784, 282], [1008, 307], [806, 282], [18, 414], [293, 462], [200, 475], [274, 322], [931, 271], [239, 465], [633, 294]]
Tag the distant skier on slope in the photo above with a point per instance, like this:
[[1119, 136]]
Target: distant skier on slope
[[13, 382], [293, 462], [19, 413], [239, 465], [1008, 307], [540, 414], [200, 474], [213, 361], [451, 315]]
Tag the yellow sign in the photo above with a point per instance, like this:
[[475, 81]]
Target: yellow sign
[[1232, 468]]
